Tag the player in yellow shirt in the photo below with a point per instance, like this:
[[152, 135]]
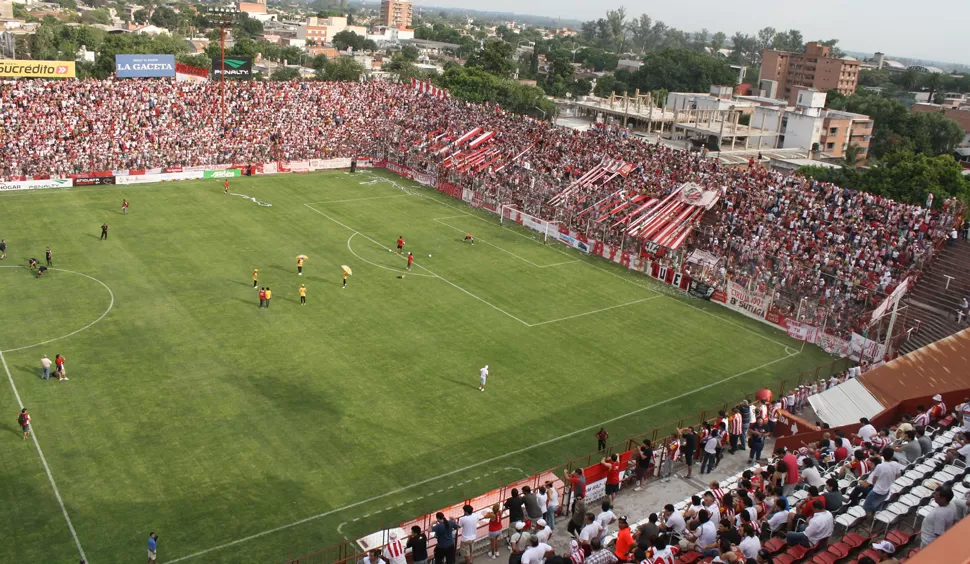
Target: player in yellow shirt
[[345, 279], [269, 295], [299, 266], [255, 276], [302, 294]]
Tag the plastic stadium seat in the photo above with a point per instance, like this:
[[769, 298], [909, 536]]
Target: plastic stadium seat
[[784, 559], [871, 554], [824, 558], [839, 550], [797, 552], [855, 540], [899, 538], [689, 557], [912, 552], [774, 545]]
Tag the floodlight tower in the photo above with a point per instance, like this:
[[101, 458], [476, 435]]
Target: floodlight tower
[[223, 16]]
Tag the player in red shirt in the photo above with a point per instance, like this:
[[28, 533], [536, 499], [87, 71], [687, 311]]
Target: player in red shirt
[[124, 206], [225, 186], [469, 238], [400, 245], [61, 373], [262, 297], [410, 261]]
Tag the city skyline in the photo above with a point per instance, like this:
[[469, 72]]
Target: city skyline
[[888, 26]]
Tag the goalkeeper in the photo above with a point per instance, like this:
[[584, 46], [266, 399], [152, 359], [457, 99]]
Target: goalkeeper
[[469, 238]]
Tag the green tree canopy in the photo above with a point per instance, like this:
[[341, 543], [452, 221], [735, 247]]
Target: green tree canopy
[[681, 70], [904, 176], [896, 128], [495, 58], [346, 38], [285, 73], [474, 84]]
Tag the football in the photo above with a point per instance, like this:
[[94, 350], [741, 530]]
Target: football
[[429, 256]]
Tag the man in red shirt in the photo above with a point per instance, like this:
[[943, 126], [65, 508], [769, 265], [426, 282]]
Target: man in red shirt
[[400, 245], [613, 471], [624, 541], [262, 297], [792, 463], [601, 437], [410, 261]]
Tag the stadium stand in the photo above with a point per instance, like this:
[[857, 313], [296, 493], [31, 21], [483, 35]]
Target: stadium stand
[[825, 254]]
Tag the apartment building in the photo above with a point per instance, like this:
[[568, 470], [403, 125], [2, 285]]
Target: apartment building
[[396, 13], [815, 69]]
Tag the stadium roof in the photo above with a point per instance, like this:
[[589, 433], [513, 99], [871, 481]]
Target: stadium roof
[[937, 368]]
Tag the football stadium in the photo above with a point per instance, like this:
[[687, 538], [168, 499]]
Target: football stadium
[[356, 321]]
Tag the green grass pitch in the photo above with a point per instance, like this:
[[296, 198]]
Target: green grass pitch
[[193, 413]]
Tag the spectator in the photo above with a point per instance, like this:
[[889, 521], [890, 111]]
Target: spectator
[[515, 505], [940, 518], [673, 523], [600, 555], [576, 554], [394, 550], [703, 538], [494, 530], [710, 452], [832, 495], [884, 551], [536, 553], [531, 503], [444, 534], [647, 532], [418, 544], [750, 544], [819, 527], [624, 541], [552, 504], [468, 523], [576, 520]]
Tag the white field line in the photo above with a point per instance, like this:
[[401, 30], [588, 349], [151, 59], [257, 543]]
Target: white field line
[[595, 311], [525, 260], [43, 460], [466, 214], [110, 305], [729, 322], [477, 464], [489, 304], [360, 199], [351, 249]]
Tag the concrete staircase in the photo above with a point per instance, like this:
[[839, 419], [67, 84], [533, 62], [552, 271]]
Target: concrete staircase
[[932, 304]]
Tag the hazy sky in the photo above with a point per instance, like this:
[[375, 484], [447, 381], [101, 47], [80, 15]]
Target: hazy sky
[[937, 30]]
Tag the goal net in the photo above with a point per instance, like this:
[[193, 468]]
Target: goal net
[[548, 229]]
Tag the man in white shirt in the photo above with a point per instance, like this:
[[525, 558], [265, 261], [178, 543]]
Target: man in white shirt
[[820, 526], [673, 522], [940, 518], [704, 538], [779, 517], [543, 532], [468, 523], [810, 475], [881, 478], [482, 376], [750, 544], [536, 554], [591, 530], [867, 431]]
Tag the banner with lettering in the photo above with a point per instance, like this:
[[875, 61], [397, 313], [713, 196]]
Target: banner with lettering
[[746, 301]]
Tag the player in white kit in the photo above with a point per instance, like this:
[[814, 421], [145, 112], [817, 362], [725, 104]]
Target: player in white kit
[[483, 375]]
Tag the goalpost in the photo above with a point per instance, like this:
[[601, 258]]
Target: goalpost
[[548, 229]]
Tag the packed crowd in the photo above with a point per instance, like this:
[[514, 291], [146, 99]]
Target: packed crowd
[[781, 234]]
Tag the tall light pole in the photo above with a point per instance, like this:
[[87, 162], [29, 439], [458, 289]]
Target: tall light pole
[[223, 16]]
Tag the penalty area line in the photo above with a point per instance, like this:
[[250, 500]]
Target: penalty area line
[[477, 464], [43, 460], [595, 311]]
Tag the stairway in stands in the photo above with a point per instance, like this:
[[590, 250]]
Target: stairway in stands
[[934, 305]]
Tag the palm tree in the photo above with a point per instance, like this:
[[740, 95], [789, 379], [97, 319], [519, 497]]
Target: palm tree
[[933, 81], [851, 155]]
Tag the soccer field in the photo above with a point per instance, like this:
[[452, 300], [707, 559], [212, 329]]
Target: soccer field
[[193, 413]]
